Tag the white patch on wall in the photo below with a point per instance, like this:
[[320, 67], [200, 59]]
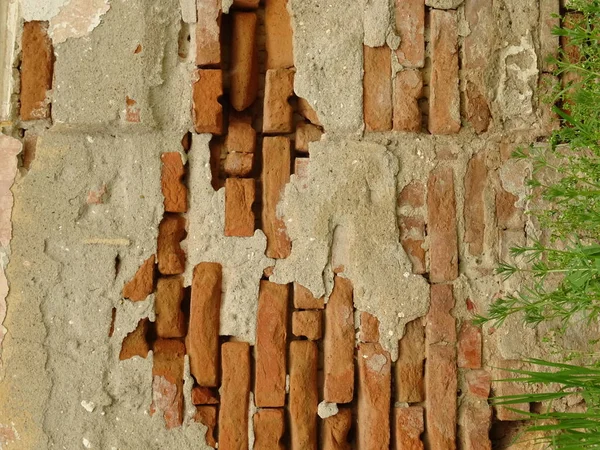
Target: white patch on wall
[[77, 18]]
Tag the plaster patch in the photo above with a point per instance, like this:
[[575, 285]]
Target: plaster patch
[[76, 19], [326, 409], [376, 21]]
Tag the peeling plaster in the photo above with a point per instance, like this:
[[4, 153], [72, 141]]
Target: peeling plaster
[[76, 19]]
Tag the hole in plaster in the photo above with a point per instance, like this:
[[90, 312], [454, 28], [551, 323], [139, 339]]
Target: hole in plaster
[[117, 265], [184, 39], [504, 433], [112, 322]]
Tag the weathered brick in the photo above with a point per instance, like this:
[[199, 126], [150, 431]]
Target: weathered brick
[[271, 334], [474, 212], [244, 61], [443, 240], [377, 88], [441, 388], [203, 331], [136, 343], [503, 388], [478, 383], [304, 395], [167, 384], [303, 298], [475, 424], [369, 328], [207, 111], [549, 42], [410, 25], [142, 283], [469, 346], [338, 344], [413, 195], [238, 164], [307, 324], [278, 35], [235, 396], [132, 112], [409, 366], [170, 320], [173, 189], [239, 197], [335, 430], [170, 255], [275, 175], [278, 112], [509, 217], [208, 32], [440, 324], [203, 396], [374, 392], [444, 96], [301, 171], [409, 427], [408, 89], [307, 111], [305, 134], [269, 427], [36, 70], [207, 415], [549, 119], [241, 137]]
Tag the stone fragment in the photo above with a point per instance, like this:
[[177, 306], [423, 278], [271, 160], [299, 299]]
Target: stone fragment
[[307, 324], [207, 111], [170, 255], [409, 427], [335, 430], [304, 395], [170, 320], [440, 324], [303, 298], [173, 189], [278, 35], [167, 384], [241, 137], [203, 396], [474, 209], [408, 89], [238, 164], [208, 33], [305, 134], [207, 415], [369, 328], [269, 427], [410, 25], [239, 198], [244, 61], [278, 112], [136, 343], [37, 62], [469, 346], [377, 88], [409, 366], [142, 283]]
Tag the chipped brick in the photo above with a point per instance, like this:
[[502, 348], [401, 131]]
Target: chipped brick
[[278, 112], [167, 385], [441, 325], [241, 137], [307, 324], [203, 396], [207, 415], [238, 164], [278, 34], [303, 298], [135, 343], [305, 134], [469, 346], [409, 427], [307, 111], [410, 25], [142, 283], [408, 89], [269, 427], [369, 328], [335, 430], [208, 31]]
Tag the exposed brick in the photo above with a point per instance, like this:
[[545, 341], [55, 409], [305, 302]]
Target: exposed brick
[[335, 429], [207, 415], [549, 42], [409, 427], [408, 89], [173, 189], [412, 237], [374, 378], [474, 213], [549, 119], [303, 298], [36, 70], [409, 366], [307, 111], [503, 388], [278, 29], [441, 387], [369, 328], [203, 333], [478, 383], [271, 338], [275, 175], [413, 195], [135, 343], [444, 97], [203, 396], [244, 61], [239, 198], [475, 424], [170, 320], [469, 346], [305, 134], [241, 137], [307, 324], [304, 395], [170, 255], [167, 384], [507, 214], [142, 283], [441, 325], [238, 164], [269, 427], [443, 240], [377, 88], [410, 25], [235, 394], [208, 31], [278, 112], [207, 111], [338, 344]]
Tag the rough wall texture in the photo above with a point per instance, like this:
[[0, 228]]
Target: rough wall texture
[[266, 225]]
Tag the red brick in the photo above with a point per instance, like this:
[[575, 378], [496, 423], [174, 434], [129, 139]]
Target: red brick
[[208, 31], [275, 175], [170, 320], [238, 164], [241, 137], [441, 325], [307, 324], [203, 333], [369, 328], [278, 112], [269, 427], [409, 366], [408, 89], [142, 283], [167, 384], [244, 61], [443, 240], [278, 29], [410, 25], [207, 415], [173, 189], [203, 396], [503, 388], [444, 96], [239, 198], [338, 344], [441, 399], [469, 346], [509, 217], [303, 298], [475, 424], [271, 335], [135, 343], [377, 88], [305, 134], [37, 62], [235, 394], [478, 383], [409, 427], [335, 429], [374, 378], [207, 111], [304, 395], [307, 111], [170, 255], [475, 182]]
